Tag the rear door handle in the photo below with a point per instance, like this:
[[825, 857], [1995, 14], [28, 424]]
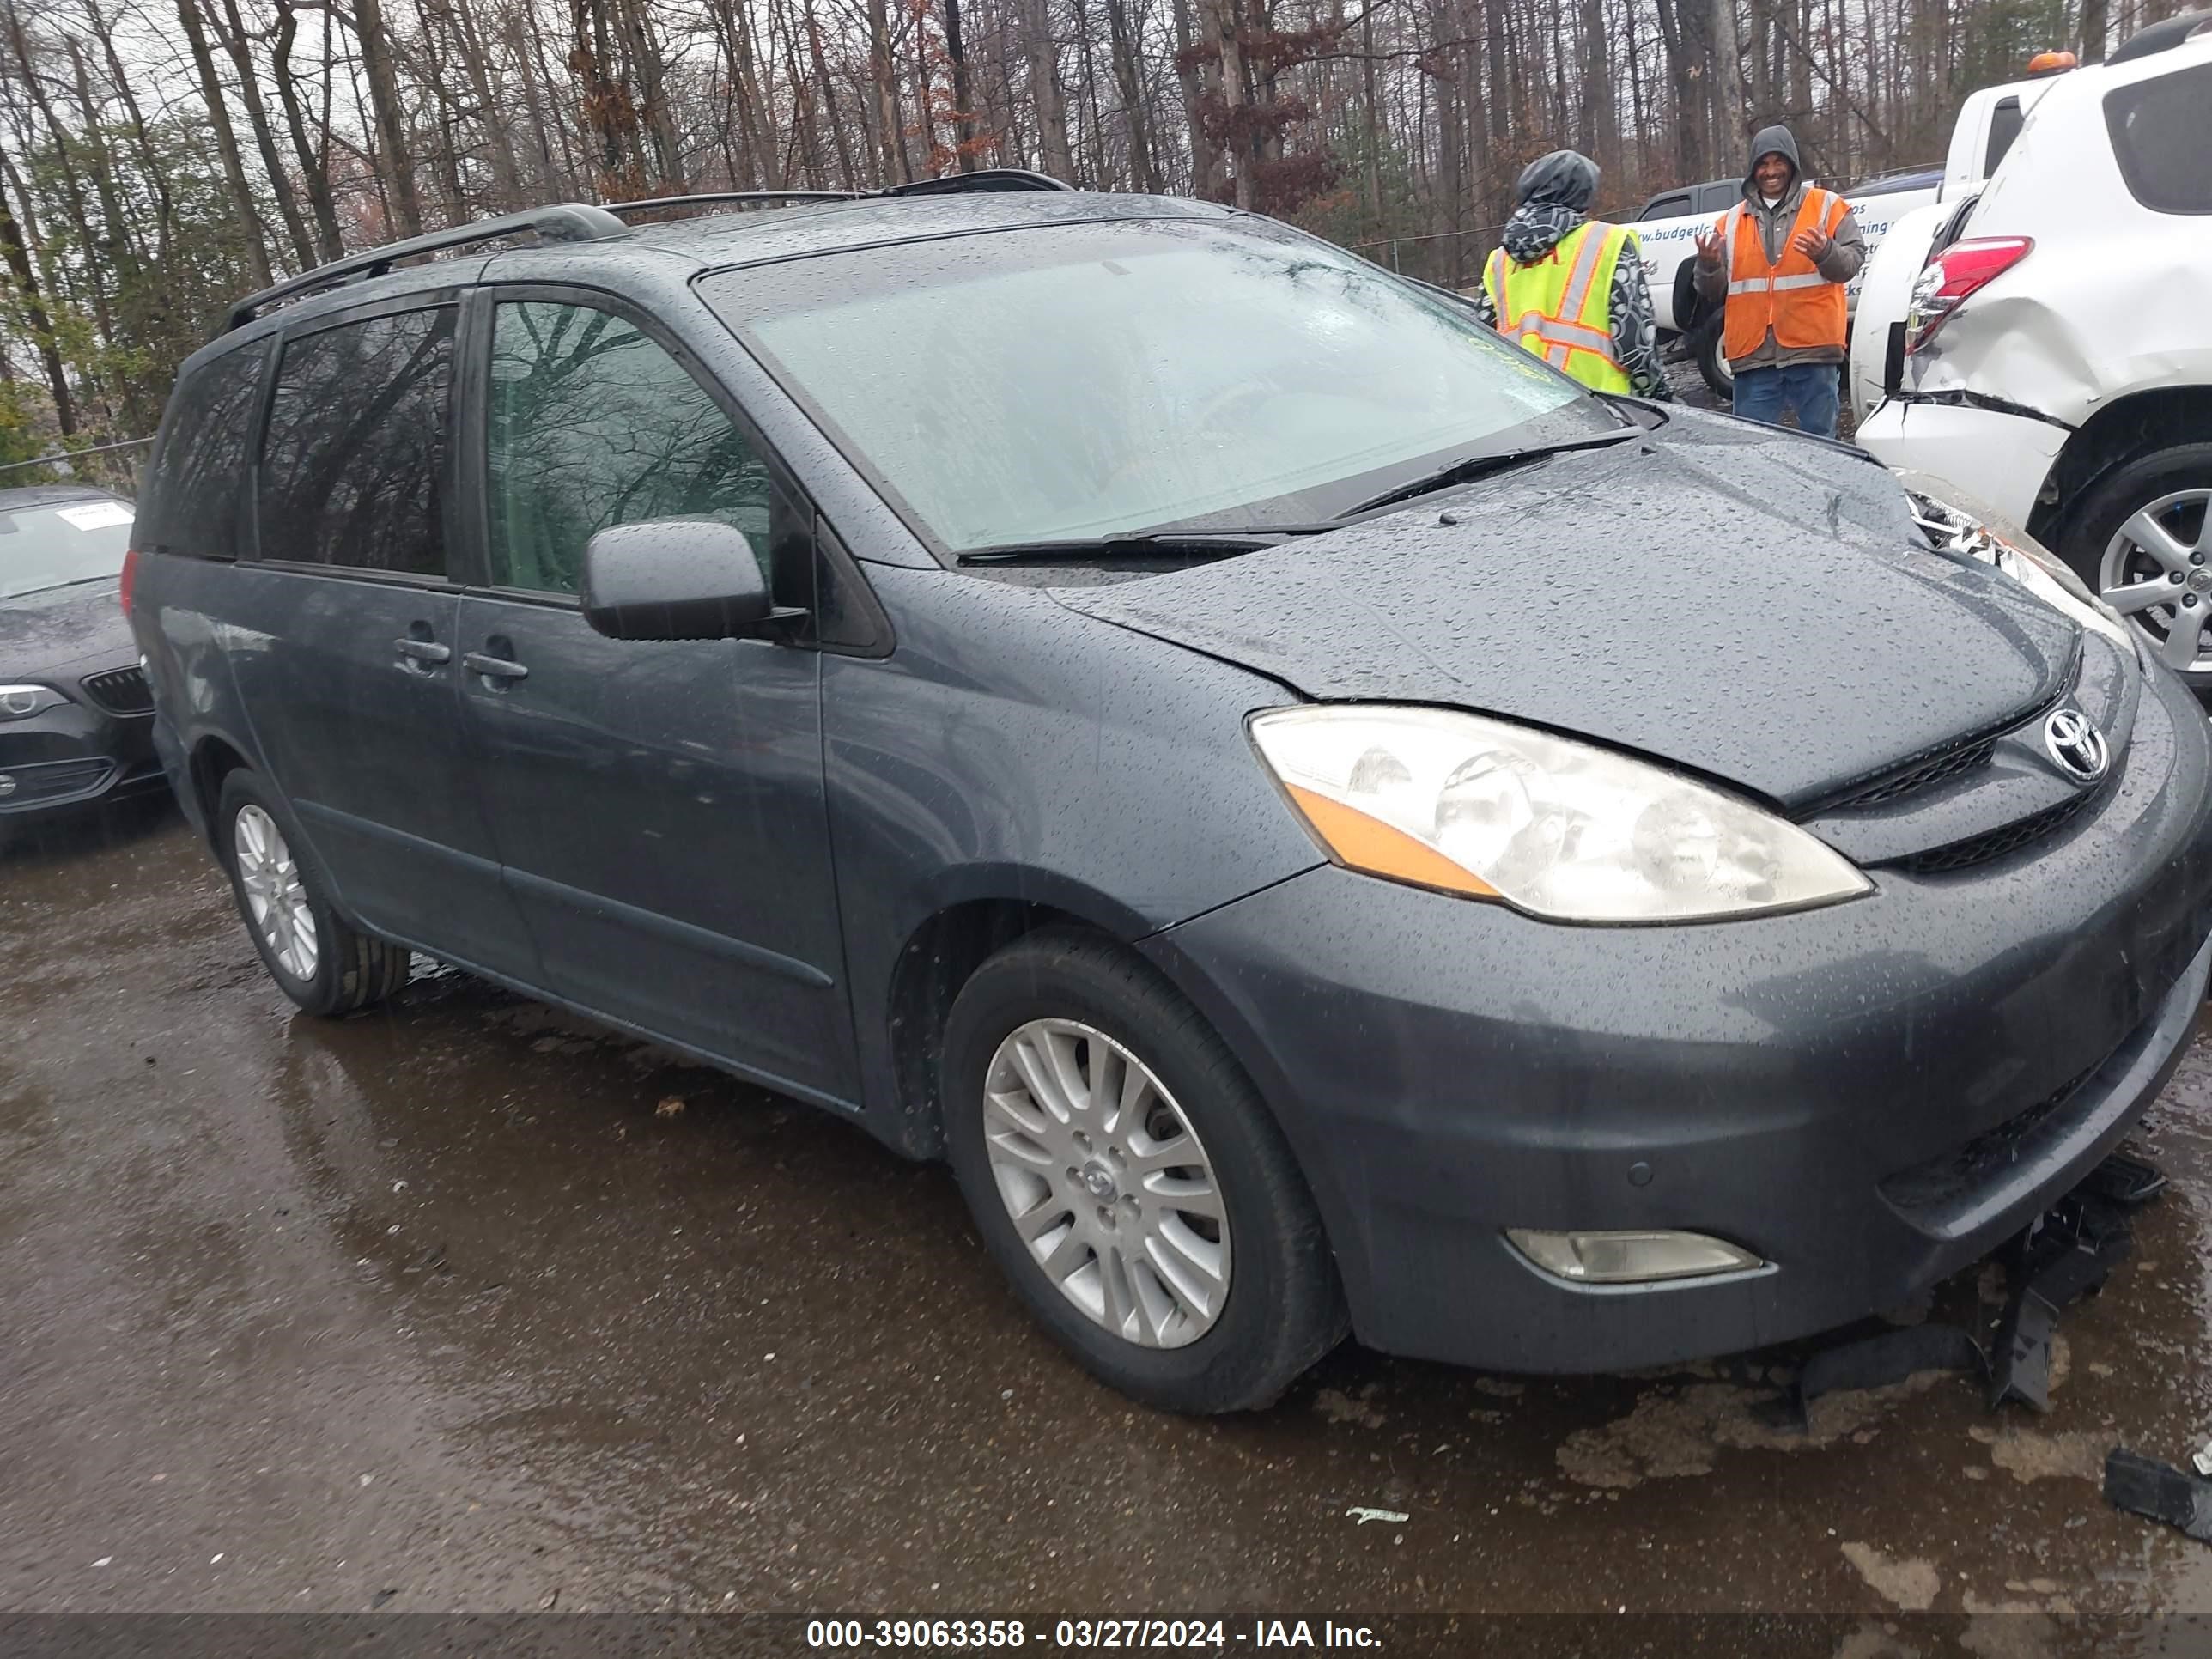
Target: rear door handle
[[424, 651], [494, 668]]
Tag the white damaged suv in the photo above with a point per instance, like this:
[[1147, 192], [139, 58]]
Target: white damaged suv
[[2058, 356]]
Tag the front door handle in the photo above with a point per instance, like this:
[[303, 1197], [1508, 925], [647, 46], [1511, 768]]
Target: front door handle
[[423, 651], [494, 668]]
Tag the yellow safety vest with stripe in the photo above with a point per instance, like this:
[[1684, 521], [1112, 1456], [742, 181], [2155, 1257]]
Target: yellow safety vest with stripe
[[1560, 307], [1789, 295]]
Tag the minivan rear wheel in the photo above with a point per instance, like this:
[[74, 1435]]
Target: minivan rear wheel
[[2143, 539], [1126, 1177], [324, 965]]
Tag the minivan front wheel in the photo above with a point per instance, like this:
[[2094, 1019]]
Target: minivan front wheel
[[317, 960], [1126, 1177]]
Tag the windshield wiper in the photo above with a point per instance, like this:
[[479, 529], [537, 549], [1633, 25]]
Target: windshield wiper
[[1142, 545], [1467, 468]]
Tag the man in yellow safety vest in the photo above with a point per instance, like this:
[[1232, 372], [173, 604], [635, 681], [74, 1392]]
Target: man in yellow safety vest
[[1571, 289]]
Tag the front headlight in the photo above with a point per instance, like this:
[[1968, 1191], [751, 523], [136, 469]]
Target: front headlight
[[1561, 830], [20, 702]]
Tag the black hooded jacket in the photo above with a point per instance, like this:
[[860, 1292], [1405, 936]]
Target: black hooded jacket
[[1555, 192]]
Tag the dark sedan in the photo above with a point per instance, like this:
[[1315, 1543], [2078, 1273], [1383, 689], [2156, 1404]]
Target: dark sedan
[[76, 719]]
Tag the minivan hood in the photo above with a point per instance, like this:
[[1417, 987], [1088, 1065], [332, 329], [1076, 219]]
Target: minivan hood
[[60, 627], [1754, 607]]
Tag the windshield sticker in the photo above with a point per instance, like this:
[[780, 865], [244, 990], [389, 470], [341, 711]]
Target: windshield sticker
[[96, 515]]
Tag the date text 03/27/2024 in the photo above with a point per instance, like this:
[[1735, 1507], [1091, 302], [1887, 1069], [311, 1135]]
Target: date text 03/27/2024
[[856, 1635]]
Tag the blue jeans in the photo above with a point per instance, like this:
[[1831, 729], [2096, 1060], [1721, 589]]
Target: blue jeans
[[1762, 394]]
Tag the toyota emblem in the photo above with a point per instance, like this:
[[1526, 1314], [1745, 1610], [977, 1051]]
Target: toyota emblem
[[2077, 746]]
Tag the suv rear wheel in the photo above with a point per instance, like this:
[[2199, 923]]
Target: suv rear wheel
[[1126, 1177], [2142, 538], [316, 959]]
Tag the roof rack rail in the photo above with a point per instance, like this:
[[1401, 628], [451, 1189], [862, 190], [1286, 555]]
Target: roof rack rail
[[2161, 37], [560, 221], [583, 222], [986, 181]]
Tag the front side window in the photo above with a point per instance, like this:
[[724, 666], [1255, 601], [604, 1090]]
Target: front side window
[[2162, 135], [1069, 381], [352, 468], [593, 424]]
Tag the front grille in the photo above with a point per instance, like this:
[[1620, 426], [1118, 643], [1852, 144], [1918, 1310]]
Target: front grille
[[1996, 843], [1980, 1161], [51, 780], [1922, 773], [120, 691]]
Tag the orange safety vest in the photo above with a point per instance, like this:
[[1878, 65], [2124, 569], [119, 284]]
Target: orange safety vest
[[1803, 307]]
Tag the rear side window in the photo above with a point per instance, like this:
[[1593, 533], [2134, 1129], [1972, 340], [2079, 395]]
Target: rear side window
[[2163, 138], [353, 467], [190, 500], [2005, 123], [1719, 198]]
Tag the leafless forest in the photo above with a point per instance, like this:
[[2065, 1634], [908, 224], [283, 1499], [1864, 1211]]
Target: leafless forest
[[158, 157]]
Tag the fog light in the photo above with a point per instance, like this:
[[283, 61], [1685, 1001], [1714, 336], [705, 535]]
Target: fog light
[[1629, 1258]]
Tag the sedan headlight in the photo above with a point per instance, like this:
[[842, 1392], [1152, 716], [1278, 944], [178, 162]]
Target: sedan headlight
[[1561, 830], [20, 702]]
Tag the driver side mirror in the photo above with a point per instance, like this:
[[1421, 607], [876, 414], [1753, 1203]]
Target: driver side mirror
[[676, 579]]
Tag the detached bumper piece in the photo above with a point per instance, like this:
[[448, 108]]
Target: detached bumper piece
[[2068, 1253], [2143, 1485]]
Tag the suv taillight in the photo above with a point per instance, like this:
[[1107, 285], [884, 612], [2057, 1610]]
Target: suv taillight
[[128, 580], [1959, 270]]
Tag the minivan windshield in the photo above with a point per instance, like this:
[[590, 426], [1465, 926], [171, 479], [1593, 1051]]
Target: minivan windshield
[[53, 546], [1070, 381]]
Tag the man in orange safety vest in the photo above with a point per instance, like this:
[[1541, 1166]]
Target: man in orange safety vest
[[1779, 259]]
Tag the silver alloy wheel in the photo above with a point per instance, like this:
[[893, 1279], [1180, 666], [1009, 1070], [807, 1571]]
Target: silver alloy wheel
[[1107, 1183], [2157, 568], [269, 878]]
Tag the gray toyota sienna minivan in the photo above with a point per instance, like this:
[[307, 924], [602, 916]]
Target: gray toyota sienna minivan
[[1323, 823]]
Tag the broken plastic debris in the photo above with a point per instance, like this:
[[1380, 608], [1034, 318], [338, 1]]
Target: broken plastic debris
[[2124, 1181], [2143, 1485], [2020, 1363], [1888, 1356], [2202, 1459], [669, 1106], [1361, 1515]]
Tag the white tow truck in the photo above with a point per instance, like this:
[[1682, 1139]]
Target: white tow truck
[[1667, 225]]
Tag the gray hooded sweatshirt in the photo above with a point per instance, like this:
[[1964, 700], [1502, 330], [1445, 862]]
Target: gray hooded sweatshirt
[[1841, 263]]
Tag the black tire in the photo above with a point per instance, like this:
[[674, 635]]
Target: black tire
[[1284, 1308], [1712, 361], [352, 969], [2116, 498]]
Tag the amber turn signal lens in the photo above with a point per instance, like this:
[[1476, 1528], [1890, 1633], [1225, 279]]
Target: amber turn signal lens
[[1365, 843]]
